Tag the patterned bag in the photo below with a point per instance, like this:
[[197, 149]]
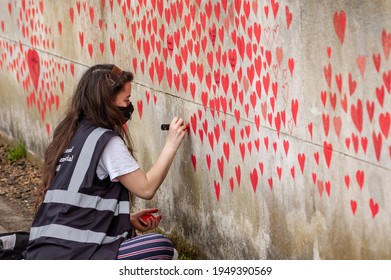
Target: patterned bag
[[12, 245]]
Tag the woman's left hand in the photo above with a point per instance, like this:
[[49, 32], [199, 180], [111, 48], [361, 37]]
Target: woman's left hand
[[148, 223]]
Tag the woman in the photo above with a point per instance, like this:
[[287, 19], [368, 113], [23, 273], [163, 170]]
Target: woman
[[88, 172]]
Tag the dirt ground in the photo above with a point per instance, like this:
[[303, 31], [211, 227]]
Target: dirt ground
[[19, 181]]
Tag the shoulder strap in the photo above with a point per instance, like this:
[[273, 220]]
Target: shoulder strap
[[84, 159]]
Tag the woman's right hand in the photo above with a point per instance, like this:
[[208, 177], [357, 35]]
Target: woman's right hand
[[176, 133]]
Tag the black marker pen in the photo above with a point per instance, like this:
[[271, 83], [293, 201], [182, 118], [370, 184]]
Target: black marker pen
[[165, 126]]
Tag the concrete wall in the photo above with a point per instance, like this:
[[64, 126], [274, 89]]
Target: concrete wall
[[288, 104]]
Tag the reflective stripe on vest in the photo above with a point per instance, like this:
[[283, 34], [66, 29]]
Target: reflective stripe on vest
[[73, 234], [84, 159], [87, 201]]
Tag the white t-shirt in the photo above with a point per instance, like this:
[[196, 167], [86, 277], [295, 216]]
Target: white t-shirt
[[116, 160]]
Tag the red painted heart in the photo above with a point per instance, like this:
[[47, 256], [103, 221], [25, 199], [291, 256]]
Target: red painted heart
[[327, 152], [360, 178], [374, 207], [386, 41], [340, 25], [217, 190], [254, 179], [377, 144], [385, 121], [357, 115], [34, 66], [353, 206]]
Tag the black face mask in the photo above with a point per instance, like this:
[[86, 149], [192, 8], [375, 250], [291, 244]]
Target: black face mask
[[127, 111]]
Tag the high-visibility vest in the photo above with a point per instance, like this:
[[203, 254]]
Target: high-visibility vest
[[81, 217]]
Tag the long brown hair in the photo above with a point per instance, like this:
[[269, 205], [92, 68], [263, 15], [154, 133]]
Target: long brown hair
[[93, 99]]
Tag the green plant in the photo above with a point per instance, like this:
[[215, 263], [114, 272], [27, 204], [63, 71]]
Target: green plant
[[185, 250], [18, 151]]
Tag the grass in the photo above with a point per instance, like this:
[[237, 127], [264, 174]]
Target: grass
[[16, 152], [185, 250]]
